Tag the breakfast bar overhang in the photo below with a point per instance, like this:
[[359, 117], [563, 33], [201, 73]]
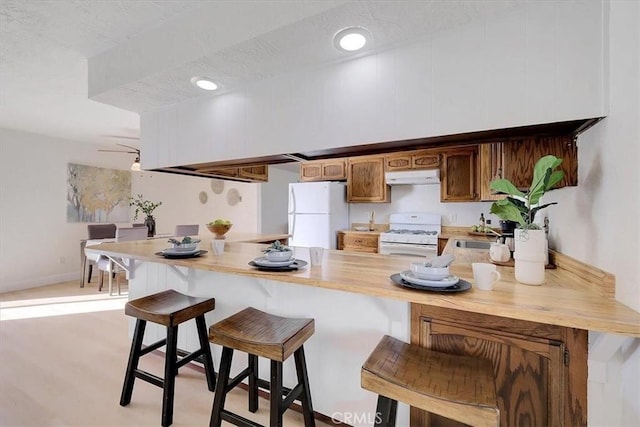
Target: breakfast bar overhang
[[354, 303]]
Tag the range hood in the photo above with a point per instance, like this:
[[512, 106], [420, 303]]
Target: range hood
[[419, 177]]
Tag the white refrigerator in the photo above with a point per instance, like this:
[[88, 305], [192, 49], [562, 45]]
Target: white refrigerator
[[317, 210]]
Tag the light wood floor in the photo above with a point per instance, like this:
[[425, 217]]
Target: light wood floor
[[63, 353]]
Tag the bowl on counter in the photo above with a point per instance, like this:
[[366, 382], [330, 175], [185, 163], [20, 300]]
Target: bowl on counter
[[185, 247], [429, 273], [279, 255], [219, 230]]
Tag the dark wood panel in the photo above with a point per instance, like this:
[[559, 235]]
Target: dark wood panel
[[398, 163], [541, 370], [425, 161]]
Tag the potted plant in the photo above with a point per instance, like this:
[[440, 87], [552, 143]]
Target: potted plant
[[146, 207], [278, 252], [521, 207]]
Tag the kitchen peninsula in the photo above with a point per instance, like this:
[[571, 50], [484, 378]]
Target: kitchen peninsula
[[354, 303]]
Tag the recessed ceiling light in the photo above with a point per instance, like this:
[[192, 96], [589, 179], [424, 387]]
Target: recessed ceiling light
[[351, 39], [204, 83]]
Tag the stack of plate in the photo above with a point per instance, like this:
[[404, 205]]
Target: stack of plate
[[288, 265], [450, 283], [411, 277], [181, 252]]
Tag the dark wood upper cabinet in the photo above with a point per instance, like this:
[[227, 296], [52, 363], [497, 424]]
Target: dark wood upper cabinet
[[521, 156], [254, 173], [324, 170], [515, 160], [365, 180], [413, 160], [458, 180]]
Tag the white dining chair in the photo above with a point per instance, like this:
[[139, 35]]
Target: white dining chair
[[187, 230], [106, 264]]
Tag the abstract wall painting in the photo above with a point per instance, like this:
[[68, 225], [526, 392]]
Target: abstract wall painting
[[97, 194]]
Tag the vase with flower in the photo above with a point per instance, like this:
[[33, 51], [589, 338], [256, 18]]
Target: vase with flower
[[146, 207]]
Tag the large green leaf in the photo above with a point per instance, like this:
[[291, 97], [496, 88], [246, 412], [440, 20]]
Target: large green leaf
[[520, 204], [541, 177], [506, 187], [506, 210], [535, 210], [555, 178]]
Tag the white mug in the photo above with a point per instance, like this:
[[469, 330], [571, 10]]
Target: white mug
[[499, 252], [485, 275], [315, 255], [217, 245]]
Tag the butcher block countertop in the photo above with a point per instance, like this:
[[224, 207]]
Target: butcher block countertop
[[564, 299]]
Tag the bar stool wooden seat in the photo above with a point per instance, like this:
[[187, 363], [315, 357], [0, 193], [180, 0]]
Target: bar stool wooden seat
[[265, 335], [460, 388], [169, 308]]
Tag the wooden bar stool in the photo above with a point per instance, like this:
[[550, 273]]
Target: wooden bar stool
[[461, 388], [169, 308], [275, 338]]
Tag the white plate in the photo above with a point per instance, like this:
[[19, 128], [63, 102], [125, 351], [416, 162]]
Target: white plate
[[444, 283], [264, 262], [176, 251]]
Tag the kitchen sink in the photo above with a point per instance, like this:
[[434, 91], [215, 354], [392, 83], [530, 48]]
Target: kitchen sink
[[472, 244]]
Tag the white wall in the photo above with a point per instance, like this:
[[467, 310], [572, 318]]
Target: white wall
[[598, 222], [39, 247], [542, 62]]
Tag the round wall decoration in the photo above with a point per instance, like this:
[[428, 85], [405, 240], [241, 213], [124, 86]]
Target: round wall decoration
[[217, 186], [233, 197], [203, 197]]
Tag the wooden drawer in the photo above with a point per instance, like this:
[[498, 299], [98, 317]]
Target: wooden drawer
[[361, 242]]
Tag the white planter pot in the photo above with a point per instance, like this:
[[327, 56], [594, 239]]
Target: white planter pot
[[530, 257]]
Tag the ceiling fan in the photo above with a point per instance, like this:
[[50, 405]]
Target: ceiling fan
[[133, 150]]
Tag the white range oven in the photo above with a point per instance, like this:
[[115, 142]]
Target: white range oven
[[413, 234]]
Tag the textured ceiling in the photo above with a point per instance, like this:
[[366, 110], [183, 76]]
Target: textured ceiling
[[57, 58]]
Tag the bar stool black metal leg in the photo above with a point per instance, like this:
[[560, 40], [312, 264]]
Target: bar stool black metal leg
[[221, 387], [169, 375], [203, 336], [275, 395], [253, 383], [386, 412], [303, 380], [132, 365]]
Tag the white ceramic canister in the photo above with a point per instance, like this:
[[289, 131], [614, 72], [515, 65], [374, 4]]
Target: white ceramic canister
[[530, 256], [499, 252]]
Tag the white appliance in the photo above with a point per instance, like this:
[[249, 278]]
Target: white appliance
[[317, 210], [419, 177], [411, 234]]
